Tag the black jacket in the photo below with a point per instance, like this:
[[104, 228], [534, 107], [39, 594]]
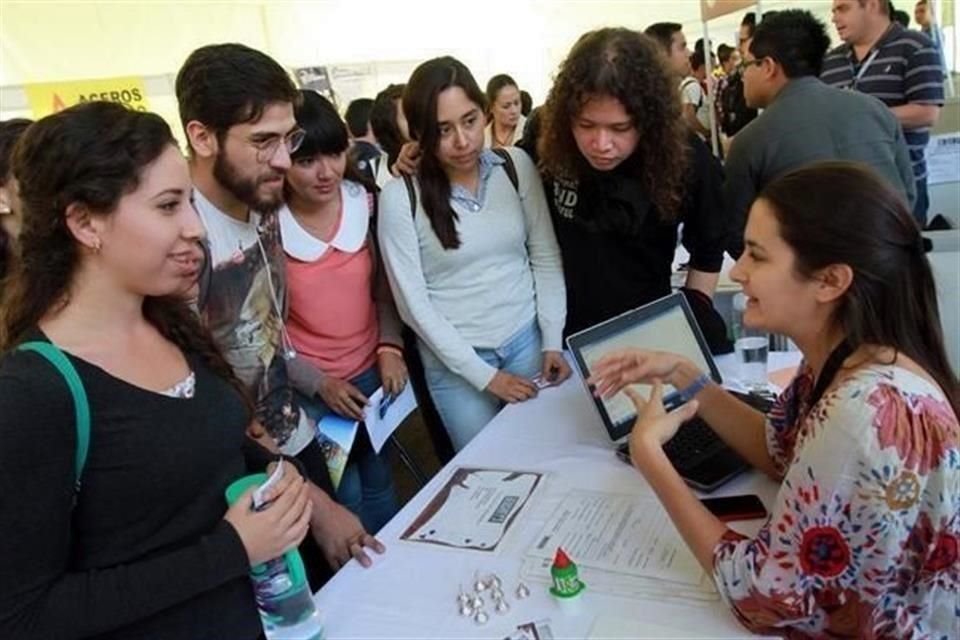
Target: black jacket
[[617, 249]]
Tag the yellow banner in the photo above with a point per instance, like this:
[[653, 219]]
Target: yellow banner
[[50, 97], [710, 9]]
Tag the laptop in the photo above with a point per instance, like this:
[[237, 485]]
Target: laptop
[[703, 460]]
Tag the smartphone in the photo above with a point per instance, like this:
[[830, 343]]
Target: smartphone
[[729, 508]]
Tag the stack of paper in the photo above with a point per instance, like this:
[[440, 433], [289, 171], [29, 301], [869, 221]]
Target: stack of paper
[[624, 545]]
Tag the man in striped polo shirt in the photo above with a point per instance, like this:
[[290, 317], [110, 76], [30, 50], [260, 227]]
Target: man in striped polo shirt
[[898, 66]]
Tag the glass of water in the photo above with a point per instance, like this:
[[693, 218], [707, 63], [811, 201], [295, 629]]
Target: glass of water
[[752, 360]]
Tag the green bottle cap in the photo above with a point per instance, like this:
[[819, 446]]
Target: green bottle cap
[[566, 580]]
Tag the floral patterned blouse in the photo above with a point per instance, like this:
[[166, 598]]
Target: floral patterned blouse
[[863, 539]]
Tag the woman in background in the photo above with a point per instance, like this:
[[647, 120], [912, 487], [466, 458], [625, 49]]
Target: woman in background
[[504, 117]]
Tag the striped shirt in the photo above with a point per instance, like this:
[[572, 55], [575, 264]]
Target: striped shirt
[[902, 67]]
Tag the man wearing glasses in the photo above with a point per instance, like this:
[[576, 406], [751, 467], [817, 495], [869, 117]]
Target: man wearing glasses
[[237, 110], [803, 120]]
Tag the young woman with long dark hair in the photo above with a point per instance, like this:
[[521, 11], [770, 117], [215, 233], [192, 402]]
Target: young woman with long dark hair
[[146, 546], [864, 533], [472, 259]]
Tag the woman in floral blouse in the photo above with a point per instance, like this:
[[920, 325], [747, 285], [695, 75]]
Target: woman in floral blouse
[[863, 538]]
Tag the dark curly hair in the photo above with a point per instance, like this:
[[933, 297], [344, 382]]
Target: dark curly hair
[[93, 153], [630, 67]]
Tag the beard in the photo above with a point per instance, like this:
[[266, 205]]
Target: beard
[[246, 189]]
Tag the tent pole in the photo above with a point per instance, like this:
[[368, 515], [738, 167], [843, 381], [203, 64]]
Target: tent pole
[[938, 44], [708, 61]]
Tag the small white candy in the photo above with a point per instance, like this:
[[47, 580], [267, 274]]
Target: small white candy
[[466, 610], [481, 617], [477, 602], [522, 591], [502, 606], [494, 582], [479, 586], [496, 594]]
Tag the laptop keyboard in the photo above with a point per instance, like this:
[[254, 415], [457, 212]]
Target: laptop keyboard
[[699, 455], [692, 444]]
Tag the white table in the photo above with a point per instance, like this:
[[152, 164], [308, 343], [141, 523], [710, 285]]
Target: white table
[[411, 590]]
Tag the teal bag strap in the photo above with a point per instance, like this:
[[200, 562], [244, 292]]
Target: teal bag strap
[[81, 407]]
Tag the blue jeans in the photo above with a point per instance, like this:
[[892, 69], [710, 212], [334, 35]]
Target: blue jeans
[[366, 487], [463, 409], [922, 203]]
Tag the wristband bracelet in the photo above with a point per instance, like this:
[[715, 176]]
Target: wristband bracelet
[[682, 396], [386, 348]]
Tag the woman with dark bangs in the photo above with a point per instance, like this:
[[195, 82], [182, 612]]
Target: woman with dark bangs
[[342, 320], [622, 173]]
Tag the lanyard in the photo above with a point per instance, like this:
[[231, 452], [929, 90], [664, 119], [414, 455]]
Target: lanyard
[[829, 371], [863, 69]]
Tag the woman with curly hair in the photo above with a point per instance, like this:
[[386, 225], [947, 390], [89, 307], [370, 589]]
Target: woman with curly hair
[[622, 173]]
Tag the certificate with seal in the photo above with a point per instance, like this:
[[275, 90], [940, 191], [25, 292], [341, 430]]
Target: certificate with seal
[[474, 509]]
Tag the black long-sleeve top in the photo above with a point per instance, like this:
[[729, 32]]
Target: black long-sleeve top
[[617, 249], [145, 553]]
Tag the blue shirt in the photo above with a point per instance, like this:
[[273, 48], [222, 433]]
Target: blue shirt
[[460, 194]]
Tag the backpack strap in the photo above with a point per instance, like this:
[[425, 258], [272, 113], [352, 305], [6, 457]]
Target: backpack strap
[[689, 81], [411, 193], [508, 166], [81, 407]]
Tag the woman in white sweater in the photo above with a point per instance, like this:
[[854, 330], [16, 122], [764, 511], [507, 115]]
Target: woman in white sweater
[[471, 256]]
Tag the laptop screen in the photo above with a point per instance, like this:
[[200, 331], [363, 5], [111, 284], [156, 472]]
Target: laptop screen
[[663, 325]]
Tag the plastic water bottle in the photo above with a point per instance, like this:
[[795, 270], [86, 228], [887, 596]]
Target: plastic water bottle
[[280, 586]]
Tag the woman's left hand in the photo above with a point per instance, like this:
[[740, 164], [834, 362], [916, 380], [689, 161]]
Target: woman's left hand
[[654, 426], [393, 372], [555, 368]]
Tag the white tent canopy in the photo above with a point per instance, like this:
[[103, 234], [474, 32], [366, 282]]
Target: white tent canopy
[[379, 41]]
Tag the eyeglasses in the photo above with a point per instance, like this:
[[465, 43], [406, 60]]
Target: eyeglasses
[[267, 147], [744, 64]]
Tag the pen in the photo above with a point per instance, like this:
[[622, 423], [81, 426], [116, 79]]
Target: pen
[[385, 403]]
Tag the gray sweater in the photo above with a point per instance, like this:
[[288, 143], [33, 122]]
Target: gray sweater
[[506, 272], [807, 122]]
